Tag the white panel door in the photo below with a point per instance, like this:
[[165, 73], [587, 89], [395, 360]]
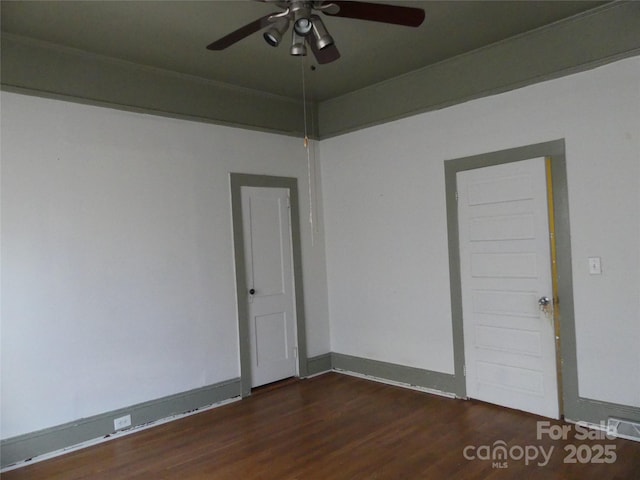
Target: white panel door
[[505, 269], [272, 323]]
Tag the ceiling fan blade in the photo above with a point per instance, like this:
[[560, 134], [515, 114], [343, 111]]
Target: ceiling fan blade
[[241, 33], [377, 12], [326, 55]]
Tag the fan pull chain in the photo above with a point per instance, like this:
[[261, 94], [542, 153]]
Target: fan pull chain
[[307, 147]]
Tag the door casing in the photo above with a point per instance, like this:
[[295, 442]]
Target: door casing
[[239, 180], [555, 151]]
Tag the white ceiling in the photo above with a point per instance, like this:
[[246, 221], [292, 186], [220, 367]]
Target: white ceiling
[[172, 35]]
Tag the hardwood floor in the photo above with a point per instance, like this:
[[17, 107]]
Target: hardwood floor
[[336, 426]]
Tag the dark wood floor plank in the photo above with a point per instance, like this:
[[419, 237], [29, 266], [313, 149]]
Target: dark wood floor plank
[[333, 427]]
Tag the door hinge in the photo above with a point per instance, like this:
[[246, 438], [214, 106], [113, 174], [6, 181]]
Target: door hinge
[[295, 352], [464, 370], [456, 196]]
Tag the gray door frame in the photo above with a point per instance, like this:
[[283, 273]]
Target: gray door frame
[[574, 407], [555, 151], [239, 180]]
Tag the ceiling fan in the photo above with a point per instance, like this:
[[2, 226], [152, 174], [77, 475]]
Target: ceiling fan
[[308, 27]]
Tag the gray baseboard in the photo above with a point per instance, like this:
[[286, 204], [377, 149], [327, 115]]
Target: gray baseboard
[[396, 373], [319, 364], [598, 412], [581, 410], [25, 447]]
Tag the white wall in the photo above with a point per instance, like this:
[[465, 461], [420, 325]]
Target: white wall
[[386, 228], [118, 281], [117, 260]]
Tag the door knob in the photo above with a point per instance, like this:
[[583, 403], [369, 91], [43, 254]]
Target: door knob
[[544, 301], [545, 306], [252, 291]]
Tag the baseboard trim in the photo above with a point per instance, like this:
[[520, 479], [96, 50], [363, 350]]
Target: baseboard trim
[[587, 410], [25, 447], [417, 377], [319, 364], [598, 412]]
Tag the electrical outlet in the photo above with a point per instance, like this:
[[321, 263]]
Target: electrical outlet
[[122, 422]]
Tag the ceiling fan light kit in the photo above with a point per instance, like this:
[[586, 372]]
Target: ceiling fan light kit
[[302, 17], [298, 48], [309, 28], [320, 33], [273, 36]]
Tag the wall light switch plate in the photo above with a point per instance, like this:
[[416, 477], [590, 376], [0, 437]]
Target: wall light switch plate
[[595, 267]]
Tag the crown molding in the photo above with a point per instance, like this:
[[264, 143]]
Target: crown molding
[[41, 68], [582, 42]]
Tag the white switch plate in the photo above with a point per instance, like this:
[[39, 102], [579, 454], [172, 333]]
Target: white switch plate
[[595, 267], [122, 422]]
